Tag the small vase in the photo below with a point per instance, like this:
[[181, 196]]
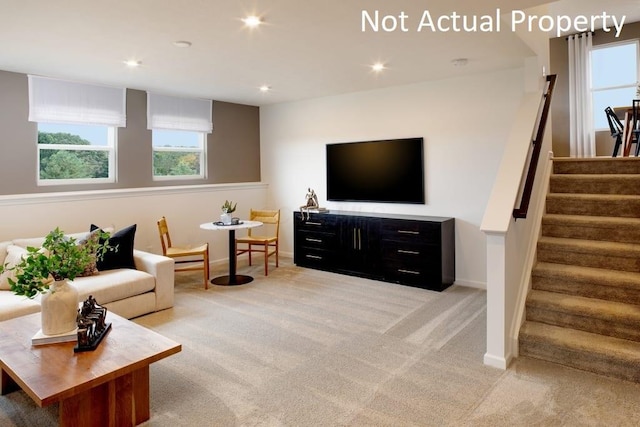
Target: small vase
[[59, 308], [225, 218]]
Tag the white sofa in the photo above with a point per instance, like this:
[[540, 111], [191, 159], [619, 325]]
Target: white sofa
[[126, 292]]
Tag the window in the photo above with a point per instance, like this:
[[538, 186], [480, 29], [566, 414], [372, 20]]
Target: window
[[179, 131], [178, 154], [614, 78], [75, 154], [77, 128]]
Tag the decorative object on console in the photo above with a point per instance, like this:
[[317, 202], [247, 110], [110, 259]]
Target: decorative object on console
[[227, 209], [311, 204], [92, 325], [47, 270]]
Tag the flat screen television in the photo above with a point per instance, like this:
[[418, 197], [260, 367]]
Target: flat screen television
[[385, 171]]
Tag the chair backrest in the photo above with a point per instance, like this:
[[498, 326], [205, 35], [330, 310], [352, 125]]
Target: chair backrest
[[165, 238], [271, 217], [615, 125], [636, 117]]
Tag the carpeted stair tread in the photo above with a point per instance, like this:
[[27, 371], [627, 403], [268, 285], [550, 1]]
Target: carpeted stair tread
[[624, 205], [597, 165], [591, 220], [595, 183], [609, 311], [589, 227], [627, 250], [588, 275], [583, 350]]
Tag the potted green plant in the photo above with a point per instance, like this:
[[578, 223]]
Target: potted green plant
[[227, 209], [47, 270]]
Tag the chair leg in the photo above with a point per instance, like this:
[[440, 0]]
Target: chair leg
[[277, 265], [266, 259]]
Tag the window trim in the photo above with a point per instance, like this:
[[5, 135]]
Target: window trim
[[110, 148]]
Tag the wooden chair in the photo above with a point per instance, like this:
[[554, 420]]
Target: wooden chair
[[263, 243], [182, 251], [617, 130]]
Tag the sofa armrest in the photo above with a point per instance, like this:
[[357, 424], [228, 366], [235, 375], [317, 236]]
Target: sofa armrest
[[162, 268]]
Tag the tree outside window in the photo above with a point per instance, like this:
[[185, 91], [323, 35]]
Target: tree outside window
[[178, 154], [75, 154]]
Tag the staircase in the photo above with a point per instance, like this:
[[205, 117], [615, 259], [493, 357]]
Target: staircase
[[583, 309]]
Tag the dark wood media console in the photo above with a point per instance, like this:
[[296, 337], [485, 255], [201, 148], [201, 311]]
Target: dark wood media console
[[409, 250]]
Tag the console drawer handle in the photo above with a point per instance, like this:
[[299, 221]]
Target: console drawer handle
[[403, 251], [400, 270], [408, 232], [313, 223], [314, 256], [308, 239]]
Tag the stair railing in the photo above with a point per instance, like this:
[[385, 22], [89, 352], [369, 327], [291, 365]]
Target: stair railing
[[536, 146]]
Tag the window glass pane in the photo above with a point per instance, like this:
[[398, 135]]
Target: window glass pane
[[52, 133], [176, 163], [72, 161], [73, 164], [178, 153], [610, 98], [614, 66], [175, 138]]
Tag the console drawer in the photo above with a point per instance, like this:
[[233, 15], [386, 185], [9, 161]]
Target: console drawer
[[410, 231], [315, 258], [408, 252], [314, 239]]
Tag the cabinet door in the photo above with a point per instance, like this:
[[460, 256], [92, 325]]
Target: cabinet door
[[360, 245]]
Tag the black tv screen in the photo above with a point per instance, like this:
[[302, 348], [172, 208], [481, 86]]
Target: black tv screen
[[386, 171]]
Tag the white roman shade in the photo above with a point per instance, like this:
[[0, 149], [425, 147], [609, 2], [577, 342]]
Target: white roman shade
[[62, 101], [175, 113]]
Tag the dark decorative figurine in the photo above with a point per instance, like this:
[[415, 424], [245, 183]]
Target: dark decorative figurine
[[91, 325]]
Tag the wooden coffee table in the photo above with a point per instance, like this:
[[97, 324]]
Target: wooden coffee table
[[105, 387]]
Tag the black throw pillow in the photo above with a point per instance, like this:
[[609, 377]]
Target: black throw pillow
[[123, 256]]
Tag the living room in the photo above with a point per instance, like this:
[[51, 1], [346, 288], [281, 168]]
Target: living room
[[265, 153]]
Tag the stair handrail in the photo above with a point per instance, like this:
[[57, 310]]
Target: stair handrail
[[521, 212]]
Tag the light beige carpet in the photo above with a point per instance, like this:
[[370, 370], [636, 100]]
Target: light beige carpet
[[308, 348]]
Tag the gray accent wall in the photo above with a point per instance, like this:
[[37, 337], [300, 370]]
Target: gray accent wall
[[558, 50], [233, 149]]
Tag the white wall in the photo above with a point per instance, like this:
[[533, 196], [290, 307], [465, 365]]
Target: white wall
[[464, 121], [184, 207]]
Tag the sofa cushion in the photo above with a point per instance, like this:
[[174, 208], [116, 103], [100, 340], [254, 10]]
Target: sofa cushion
[[3, 250], [123, 256], [114, 285], [37, 242], [12, 305], [13, 257]]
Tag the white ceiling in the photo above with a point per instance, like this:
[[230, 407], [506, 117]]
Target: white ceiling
[[304, 49]]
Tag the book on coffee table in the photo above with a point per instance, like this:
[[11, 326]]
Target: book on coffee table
[[40, 338]]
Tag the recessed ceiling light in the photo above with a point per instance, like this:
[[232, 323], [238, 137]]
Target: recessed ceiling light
[[132, 63], [182, 43], [252, 21], [265, 88], [377, 67], [460, 62]]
